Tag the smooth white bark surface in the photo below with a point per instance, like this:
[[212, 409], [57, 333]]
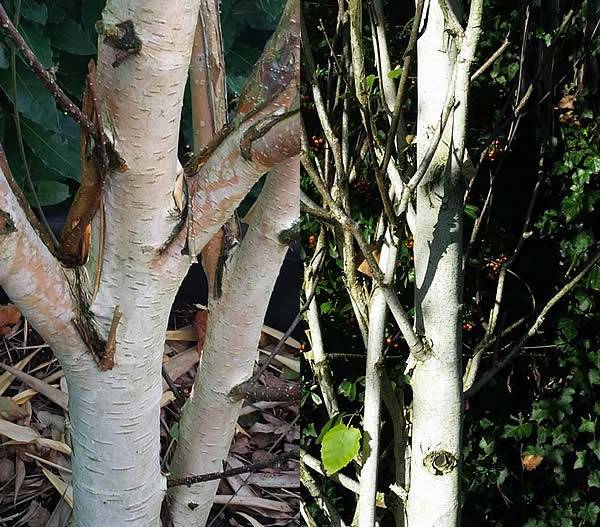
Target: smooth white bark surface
[[372, 412], [433, 498], [235, 320]]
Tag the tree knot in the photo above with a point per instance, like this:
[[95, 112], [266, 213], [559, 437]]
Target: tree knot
[[7, 225], [440, 462]]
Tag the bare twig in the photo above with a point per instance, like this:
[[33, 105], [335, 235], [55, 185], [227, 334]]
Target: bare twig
[[202, 478], [402, 87], [491, 373], [493, 58]]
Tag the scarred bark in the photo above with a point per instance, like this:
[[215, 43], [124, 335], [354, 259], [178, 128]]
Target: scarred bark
[[436, 382], [234, 324], [115, 414]]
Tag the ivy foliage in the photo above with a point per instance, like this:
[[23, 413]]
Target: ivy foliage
[[531, 436]]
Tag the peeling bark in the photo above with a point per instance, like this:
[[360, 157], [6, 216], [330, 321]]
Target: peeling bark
[[235, 320]]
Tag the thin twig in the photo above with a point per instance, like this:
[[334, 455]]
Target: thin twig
[[402, 89], [19, 134], [293, 325], [211, 476], [493, 58], [491, 373]]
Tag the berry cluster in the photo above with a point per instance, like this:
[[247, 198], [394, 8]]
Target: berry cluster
[[494, 150], [493, 266]]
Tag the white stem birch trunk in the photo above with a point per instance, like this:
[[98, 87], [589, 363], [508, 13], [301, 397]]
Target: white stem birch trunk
[[434, 493], [372, 412], [436, 382], [114, 414], [209, 418]]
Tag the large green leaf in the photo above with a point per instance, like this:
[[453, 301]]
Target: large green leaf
[[34, 11], [70, 36], [91, 12], [37, 41], [57, 151], [340, 445], [49, 192], [33, 100]]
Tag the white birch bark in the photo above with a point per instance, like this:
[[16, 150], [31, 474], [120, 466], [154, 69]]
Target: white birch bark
[[434, 493], [235, 320], [433, 498], [372, 412], [115, 414]]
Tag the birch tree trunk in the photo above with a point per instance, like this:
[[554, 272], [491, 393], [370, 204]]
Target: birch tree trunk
[[233, 331], [444, 57], [143, 250]]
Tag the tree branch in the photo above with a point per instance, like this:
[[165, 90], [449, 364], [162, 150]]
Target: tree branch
[[491, 373], [34, 279], [211, 476], [36, 66]]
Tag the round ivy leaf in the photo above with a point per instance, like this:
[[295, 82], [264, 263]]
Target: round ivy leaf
[[340, 445]]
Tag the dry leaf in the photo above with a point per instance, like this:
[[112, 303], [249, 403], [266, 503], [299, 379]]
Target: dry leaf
[[36, 516], [254, 522], [566, 103], [531, 461], [364, 266], [55, 395], [59, 446], [7, 378], [21, 434], [20, 473], [10, 316], [180, 364], [10, 410], [566, 107], [248, 501], [7, 469], [66, 491]]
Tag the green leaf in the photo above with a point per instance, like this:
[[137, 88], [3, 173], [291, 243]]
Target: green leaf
[[348, 389], [309, 431], [518, 431], [91, 12], [594, 278], [340, 445], [33, 100], [472, 211], [595, 447], [580, 461], [587, 426], [34, 11], [370, 80], [38, 42], [174, 431], [396, 73], [50, 192], [589, 513], [70, 36], [326, 307], [594, 479], [568, 328], [59, 152], [56, 13], [336, 419], [594, 376]]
